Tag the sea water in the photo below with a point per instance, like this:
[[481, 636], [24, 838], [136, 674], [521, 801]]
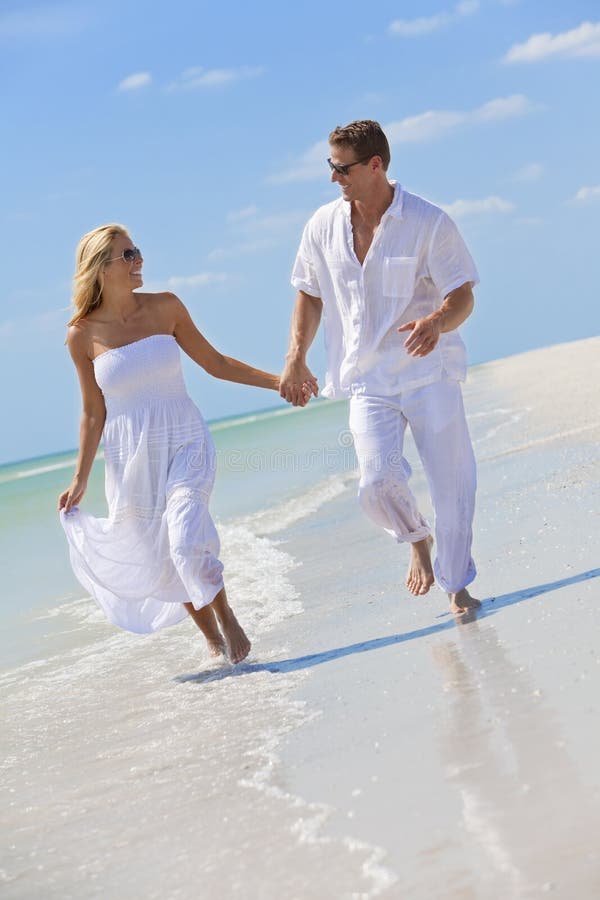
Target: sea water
[[273, 467], [266, 460], [129, 770]]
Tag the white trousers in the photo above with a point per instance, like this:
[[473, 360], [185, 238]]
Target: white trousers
[[436, 417]]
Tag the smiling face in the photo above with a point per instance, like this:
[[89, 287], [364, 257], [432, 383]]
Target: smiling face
[[358, 183], [122, 273]]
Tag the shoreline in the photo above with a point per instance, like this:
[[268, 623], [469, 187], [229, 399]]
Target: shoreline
[[224, 422], [371, 746], [452, 745]]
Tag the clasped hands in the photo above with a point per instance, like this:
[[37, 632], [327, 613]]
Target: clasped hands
[[297, 384]]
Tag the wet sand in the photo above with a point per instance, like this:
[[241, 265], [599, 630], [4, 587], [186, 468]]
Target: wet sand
[[466, 751], [372, 745]]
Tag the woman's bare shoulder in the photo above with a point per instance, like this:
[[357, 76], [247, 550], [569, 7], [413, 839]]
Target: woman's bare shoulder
[[164, 309], [78, 338], [161, 299]]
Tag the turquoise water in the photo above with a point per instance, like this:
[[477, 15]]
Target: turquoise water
[[264, 459]]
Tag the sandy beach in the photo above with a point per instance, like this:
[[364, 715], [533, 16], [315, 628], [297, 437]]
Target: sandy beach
[[466, 751], [372, 745]]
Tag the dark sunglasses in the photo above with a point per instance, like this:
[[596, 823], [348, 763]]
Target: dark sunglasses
[[343, 169], [129, 255]]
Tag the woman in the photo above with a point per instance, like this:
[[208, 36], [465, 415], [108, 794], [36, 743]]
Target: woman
[[155, 558]]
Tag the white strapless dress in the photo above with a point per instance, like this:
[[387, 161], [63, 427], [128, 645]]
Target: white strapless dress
[[159, 547]]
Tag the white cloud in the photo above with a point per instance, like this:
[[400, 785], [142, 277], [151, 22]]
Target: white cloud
[[250, 221], [583, 41], [197, 77], [312, 164], [422, 25], [530, 172], [276, 222], [255, 231], [585, 194], [503, 108], [257, 246], [194, 281], [427, 24], [434, 124], [135, 82], [427, 126], [467, 7], [43, 22], [45, 322], [461, 208], [239, 215]]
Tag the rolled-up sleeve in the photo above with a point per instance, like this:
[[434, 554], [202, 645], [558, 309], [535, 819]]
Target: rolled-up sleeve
[[304, 275], [449, 262]]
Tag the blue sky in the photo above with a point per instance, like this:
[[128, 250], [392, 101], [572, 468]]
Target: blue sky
[[202, 127]]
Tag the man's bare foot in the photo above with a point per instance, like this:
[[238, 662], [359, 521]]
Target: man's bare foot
[[462, 602], [236, 643], [419, 577]]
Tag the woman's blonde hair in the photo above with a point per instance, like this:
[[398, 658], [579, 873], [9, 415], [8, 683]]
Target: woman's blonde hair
[[93, 251]]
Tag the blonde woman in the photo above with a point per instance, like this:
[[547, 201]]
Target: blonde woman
[[156, 557]]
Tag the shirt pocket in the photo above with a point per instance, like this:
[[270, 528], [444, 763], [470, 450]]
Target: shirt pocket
[[399, 274]]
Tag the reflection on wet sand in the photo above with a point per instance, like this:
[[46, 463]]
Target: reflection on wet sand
[[527, 819]]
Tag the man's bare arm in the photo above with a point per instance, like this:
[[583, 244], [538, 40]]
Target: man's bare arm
[[297, 382], [425, 333]]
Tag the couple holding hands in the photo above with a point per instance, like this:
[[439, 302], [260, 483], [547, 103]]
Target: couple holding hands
[[392, 278]]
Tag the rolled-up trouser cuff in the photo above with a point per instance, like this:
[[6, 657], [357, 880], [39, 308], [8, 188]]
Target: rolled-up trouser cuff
[[391, 505], [458, 585]]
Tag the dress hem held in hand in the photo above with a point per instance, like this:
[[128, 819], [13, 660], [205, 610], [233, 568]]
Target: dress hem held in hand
[[158, 548]]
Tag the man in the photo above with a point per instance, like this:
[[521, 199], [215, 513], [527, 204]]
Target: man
[[380, 264]]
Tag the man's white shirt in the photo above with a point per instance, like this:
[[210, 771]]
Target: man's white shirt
[[416, 258]]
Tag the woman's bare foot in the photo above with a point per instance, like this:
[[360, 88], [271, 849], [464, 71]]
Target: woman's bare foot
[[419, 577], [206, 621], [217, 648], [237, 644], [462, 602]]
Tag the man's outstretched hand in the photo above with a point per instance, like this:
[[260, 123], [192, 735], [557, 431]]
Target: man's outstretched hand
[[424, 335], [297, 384]]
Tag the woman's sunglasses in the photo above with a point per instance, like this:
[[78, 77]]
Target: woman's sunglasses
[[129, 255]]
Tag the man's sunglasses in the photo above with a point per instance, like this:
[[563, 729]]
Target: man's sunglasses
[[129, 255], [343, 169]]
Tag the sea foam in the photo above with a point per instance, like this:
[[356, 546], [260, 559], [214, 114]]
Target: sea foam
[[132, 763]]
